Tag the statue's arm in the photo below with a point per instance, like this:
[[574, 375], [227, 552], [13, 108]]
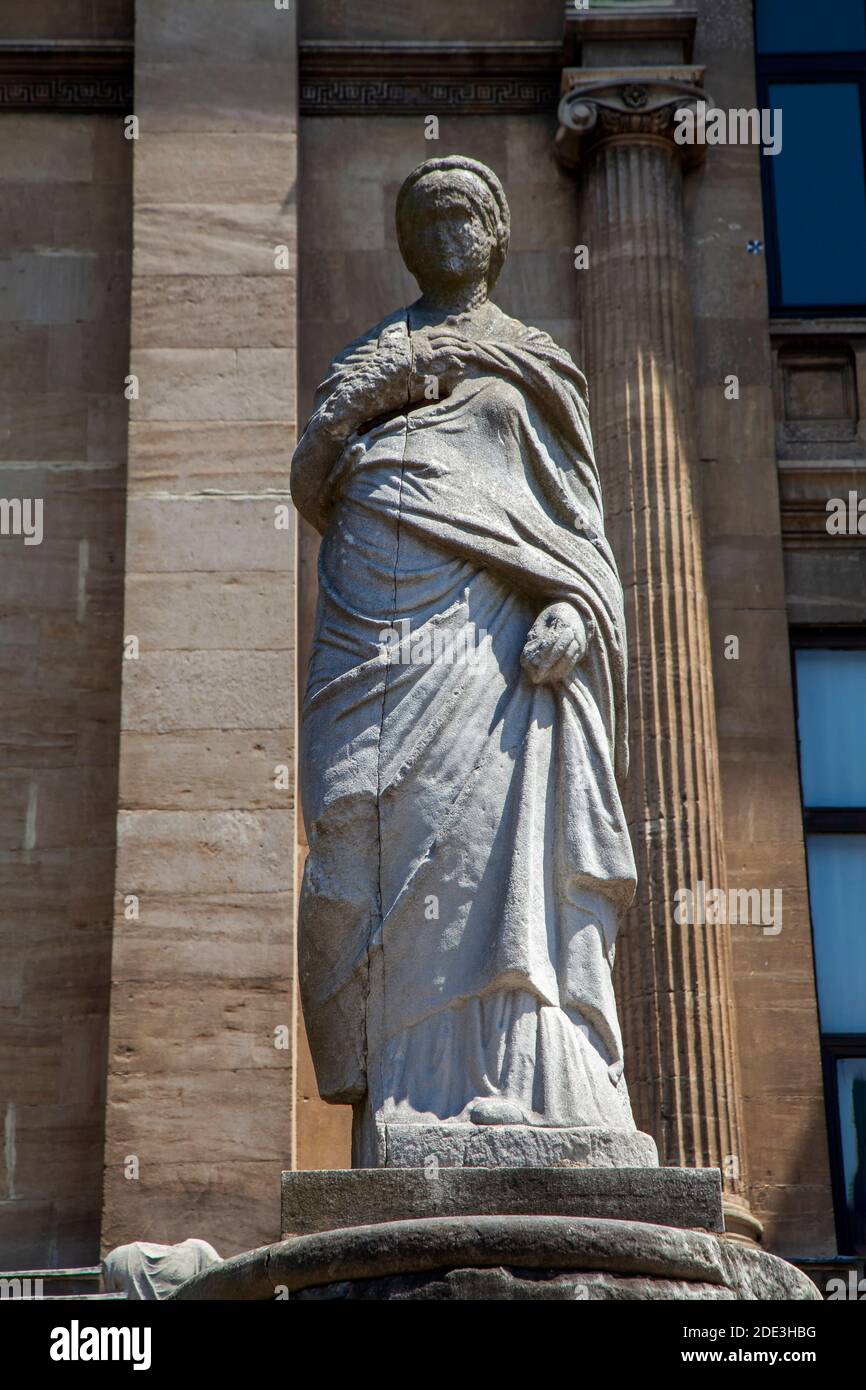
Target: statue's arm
[[368, 379], [318, 450], [382, 374]]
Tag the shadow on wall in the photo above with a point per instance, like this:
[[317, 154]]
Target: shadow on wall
[[65, 251]]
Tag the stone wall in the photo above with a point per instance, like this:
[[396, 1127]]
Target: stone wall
[[393, 20], [68, 19], [64, 332], [200, 1091]]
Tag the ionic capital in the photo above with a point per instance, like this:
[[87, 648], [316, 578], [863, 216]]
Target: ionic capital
[[626, 105]]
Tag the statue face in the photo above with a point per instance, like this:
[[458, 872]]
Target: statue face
[[445, 240]]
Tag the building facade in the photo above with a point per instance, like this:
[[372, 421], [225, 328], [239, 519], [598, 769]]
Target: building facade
[[198, 214]]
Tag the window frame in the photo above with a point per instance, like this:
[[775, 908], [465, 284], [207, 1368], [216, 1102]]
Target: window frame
[[825, 820], [836, 1047], [807, 70], [830, 820]]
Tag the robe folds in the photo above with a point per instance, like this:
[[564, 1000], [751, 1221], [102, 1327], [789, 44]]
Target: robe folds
[[469, 858]]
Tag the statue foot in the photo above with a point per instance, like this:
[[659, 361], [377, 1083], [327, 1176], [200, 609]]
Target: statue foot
[[493, 1110]]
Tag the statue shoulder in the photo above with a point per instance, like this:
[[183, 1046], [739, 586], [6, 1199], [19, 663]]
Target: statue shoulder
[[355, 354], [367, 342], [536, 340], [526, 335]]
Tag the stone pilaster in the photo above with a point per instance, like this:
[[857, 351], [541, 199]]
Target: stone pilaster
[[674, 978], [199, 1118]]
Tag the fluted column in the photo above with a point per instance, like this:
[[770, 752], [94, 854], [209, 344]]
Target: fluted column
[[674, 980]]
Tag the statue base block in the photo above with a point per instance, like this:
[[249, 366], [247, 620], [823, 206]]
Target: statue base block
[[512, 1146], [324, 1201], [521, 1234]]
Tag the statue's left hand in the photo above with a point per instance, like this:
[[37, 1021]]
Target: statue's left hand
[[557, 642]]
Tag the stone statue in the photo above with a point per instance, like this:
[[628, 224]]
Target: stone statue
[[464, 725], [145, 1271]]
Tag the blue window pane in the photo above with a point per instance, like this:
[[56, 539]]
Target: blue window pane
[[802, 26], [820, 194], [837, 896], [851, 1085], [831, 696]]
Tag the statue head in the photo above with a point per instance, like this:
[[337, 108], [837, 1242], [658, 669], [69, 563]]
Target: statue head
[[453, 224]]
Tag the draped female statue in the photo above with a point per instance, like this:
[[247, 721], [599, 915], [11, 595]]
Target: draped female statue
[[464, 724]]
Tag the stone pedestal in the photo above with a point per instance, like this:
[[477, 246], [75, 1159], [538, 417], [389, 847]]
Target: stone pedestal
[[508, 1233], [512, 1146], [321, 1201]]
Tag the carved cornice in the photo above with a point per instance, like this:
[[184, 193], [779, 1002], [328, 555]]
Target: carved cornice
[[394, 79], [641, 103], [66, 75]]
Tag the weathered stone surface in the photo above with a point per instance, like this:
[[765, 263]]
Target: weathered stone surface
[[207, 770], [186, 853], [160, 1202], [144, 1271], [66, 153], [547, 1286], [512, 1146], [780, 1055], [758, 1275], [212, 611], [200, 383], [512, 19], [553, 1245], [202, 1013], [227, 28], [64, 260], [185, 535], [193, 167], [177, 691], [217, 311], [678, 998], [345, 288], [223, 239], [183, 458], [189, 94], [400, 1247], [500, 527], [324, 1201]]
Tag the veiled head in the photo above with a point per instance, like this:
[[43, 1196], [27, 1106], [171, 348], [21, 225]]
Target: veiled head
[[453, 223]]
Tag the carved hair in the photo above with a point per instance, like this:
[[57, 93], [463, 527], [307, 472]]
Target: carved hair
[[475, 183]]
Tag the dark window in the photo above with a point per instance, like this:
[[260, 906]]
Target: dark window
[[830, 671], [811, 62], [803, 26]]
